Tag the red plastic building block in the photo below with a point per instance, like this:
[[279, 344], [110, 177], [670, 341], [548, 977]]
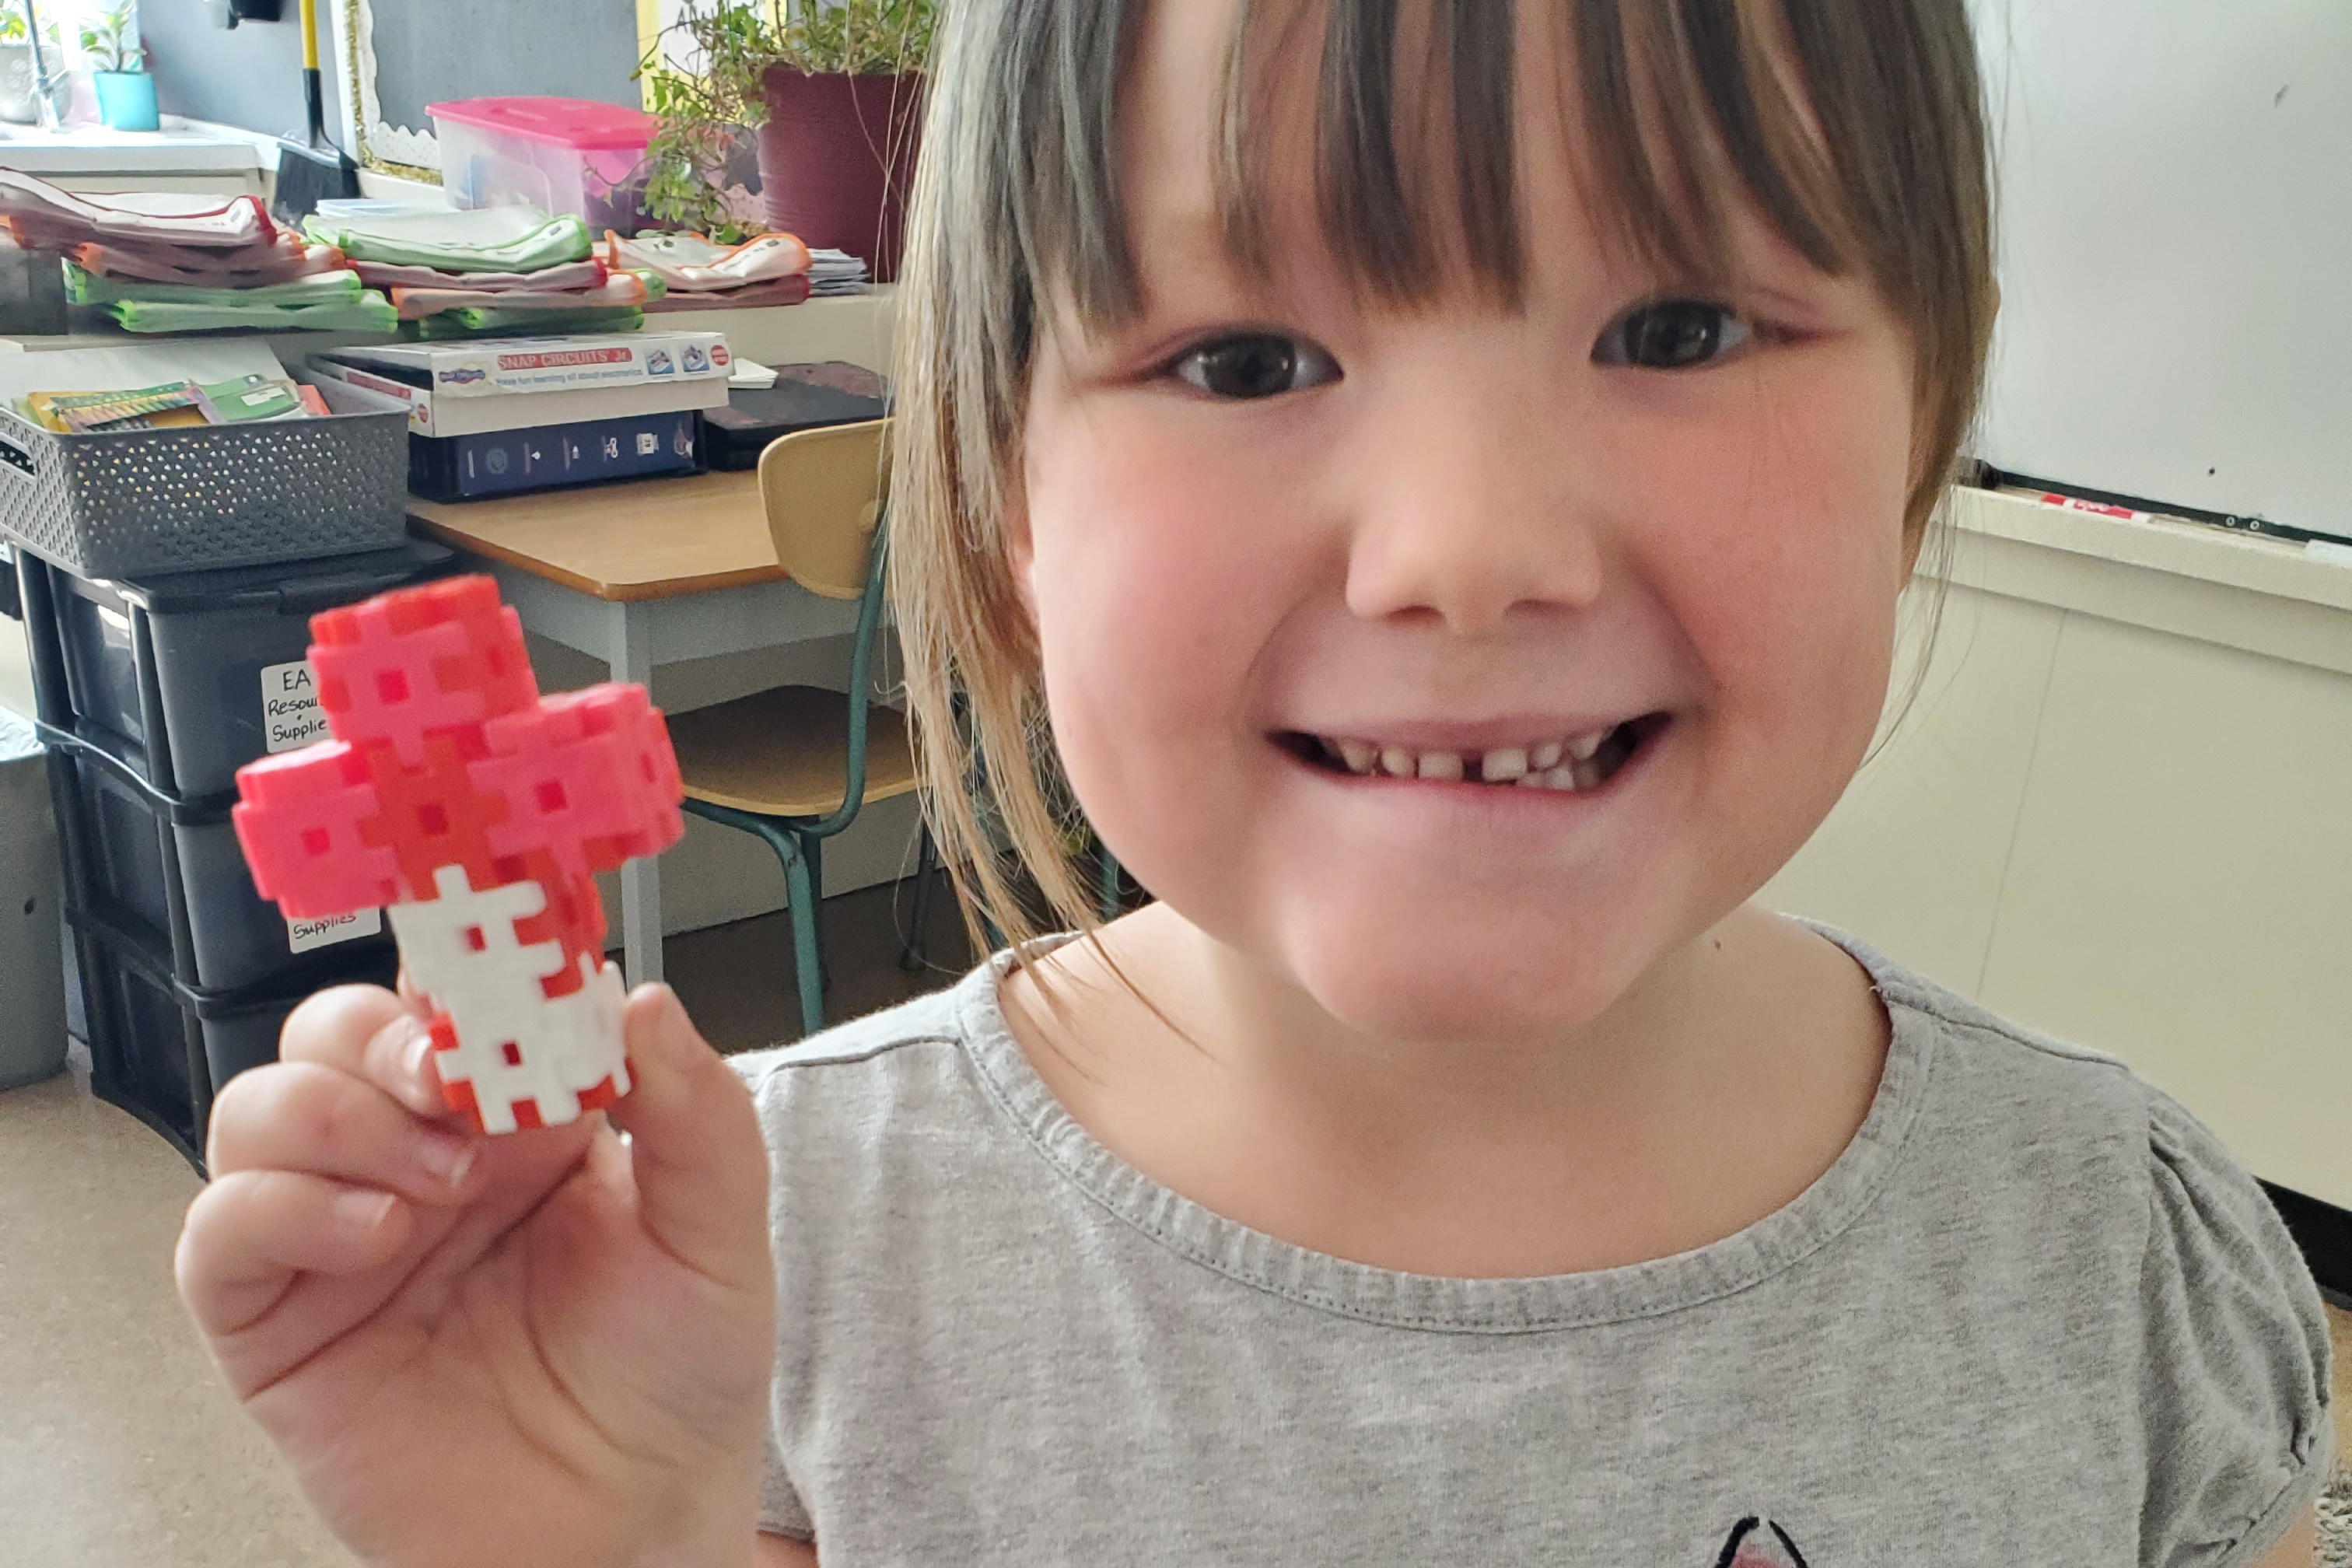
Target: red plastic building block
[[480, 813]]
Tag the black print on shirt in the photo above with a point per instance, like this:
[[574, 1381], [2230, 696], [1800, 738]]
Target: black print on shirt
[[1759, 1543]]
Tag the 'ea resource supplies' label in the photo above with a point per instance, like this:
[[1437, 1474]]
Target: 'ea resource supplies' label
[[292, 717], [305, 936], [290, 714]]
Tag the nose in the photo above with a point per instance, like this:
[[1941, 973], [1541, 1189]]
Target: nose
[[1460, 515]]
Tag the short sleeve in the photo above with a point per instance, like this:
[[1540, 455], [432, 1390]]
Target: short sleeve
[[781, 1510], [2234, 1376]]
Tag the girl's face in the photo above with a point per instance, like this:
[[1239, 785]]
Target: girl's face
[[1309, 572]]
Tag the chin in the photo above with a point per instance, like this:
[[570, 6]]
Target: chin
[[1465, 983]]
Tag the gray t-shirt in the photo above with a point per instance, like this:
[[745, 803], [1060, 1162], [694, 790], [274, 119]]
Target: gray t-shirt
[[2034, 1313]]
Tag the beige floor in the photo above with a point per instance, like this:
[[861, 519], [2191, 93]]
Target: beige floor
[[118, 1449]]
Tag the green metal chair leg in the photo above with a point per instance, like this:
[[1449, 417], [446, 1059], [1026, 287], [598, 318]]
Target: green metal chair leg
[[992, 933], [799, 890], [801, 887], [1107, 894], [813, 851], [915, 955]]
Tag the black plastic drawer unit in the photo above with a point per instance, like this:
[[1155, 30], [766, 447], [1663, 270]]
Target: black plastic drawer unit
[[161, 1048], [172, 875], [191, 677]]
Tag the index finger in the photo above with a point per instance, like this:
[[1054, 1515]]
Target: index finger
[[373, 1034]]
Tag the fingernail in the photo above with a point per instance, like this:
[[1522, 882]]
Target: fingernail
[[446, 1157], [418, 1084], [361, 1208]]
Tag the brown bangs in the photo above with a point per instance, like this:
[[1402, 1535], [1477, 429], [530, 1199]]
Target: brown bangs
[[1686, 109], [1682, 110]]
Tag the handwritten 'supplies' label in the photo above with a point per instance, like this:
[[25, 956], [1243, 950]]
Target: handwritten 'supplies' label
[[290, 714], [305, 936]]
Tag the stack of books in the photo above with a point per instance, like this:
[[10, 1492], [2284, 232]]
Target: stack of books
[[500, 417]]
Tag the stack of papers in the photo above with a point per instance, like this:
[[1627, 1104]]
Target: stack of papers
[[331, 301], [752, 375], [457, 240], [836, 272], [701, 274], [165, 262], [486, 271]]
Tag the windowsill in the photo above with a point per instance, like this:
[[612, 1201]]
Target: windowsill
[[182, 147]]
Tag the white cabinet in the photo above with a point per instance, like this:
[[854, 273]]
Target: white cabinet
[[2120, 811]]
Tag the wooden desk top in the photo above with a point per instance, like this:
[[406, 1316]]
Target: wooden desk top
[[645, 539]]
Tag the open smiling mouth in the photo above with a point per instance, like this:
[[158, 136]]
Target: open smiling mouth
[[1570, 763]]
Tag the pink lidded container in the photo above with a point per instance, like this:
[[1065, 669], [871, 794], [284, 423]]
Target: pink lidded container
[[558, 154]]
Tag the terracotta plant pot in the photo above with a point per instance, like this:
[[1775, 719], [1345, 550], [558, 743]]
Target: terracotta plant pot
[[836, 159]]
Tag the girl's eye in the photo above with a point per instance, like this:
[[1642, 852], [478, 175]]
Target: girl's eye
[[1671, 335], [1254, 365]]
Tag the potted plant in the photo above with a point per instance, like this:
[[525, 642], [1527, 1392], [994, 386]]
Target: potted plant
[[126, 93], [834, 91]]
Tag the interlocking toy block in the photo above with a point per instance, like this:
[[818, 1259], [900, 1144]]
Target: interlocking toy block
[[480, 813]]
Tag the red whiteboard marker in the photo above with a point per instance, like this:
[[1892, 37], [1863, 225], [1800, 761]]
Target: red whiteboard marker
[[2076, 503]]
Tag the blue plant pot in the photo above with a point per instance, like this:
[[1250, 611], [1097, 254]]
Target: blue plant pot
[[126, 101]]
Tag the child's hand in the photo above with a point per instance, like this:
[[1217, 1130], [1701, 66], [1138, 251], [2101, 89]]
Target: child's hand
[[549, 1347]]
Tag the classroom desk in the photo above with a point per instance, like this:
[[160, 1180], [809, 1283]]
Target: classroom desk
[[640, 575]]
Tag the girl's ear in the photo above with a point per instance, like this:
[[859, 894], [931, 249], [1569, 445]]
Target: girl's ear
[[1020, 550]]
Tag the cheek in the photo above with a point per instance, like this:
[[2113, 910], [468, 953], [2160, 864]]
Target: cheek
[[1785, 566], [1153, 582], [1126, 563]]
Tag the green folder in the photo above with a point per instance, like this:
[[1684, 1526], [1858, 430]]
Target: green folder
[[370, 312], [477, 321], [322, 289], [560, 239]]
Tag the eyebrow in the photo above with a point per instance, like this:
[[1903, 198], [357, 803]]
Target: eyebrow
[[1185, 241]]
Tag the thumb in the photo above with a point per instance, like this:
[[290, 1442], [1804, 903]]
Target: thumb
[[700, 1165]]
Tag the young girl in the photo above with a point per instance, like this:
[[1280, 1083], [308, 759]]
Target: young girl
[[1447, 471]]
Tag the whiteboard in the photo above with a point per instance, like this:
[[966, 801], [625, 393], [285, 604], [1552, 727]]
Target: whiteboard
[[2175, 251]]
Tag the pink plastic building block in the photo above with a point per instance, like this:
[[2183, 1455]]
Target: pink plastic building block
[[480, 813]]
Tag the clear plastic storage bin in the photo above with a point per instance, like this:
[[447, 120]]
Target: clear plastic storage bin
[[558, 154]]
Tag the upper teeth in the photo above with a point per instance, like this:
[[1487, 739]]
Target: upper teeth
[[1503, 767], [1564, 765]]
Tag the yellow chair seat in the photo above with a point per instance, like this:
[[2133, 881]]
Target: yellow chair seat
[[785, 752]]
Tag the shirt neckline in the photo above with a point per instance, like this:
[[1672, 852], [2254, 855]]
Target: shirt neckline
[[1443, 1304]]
